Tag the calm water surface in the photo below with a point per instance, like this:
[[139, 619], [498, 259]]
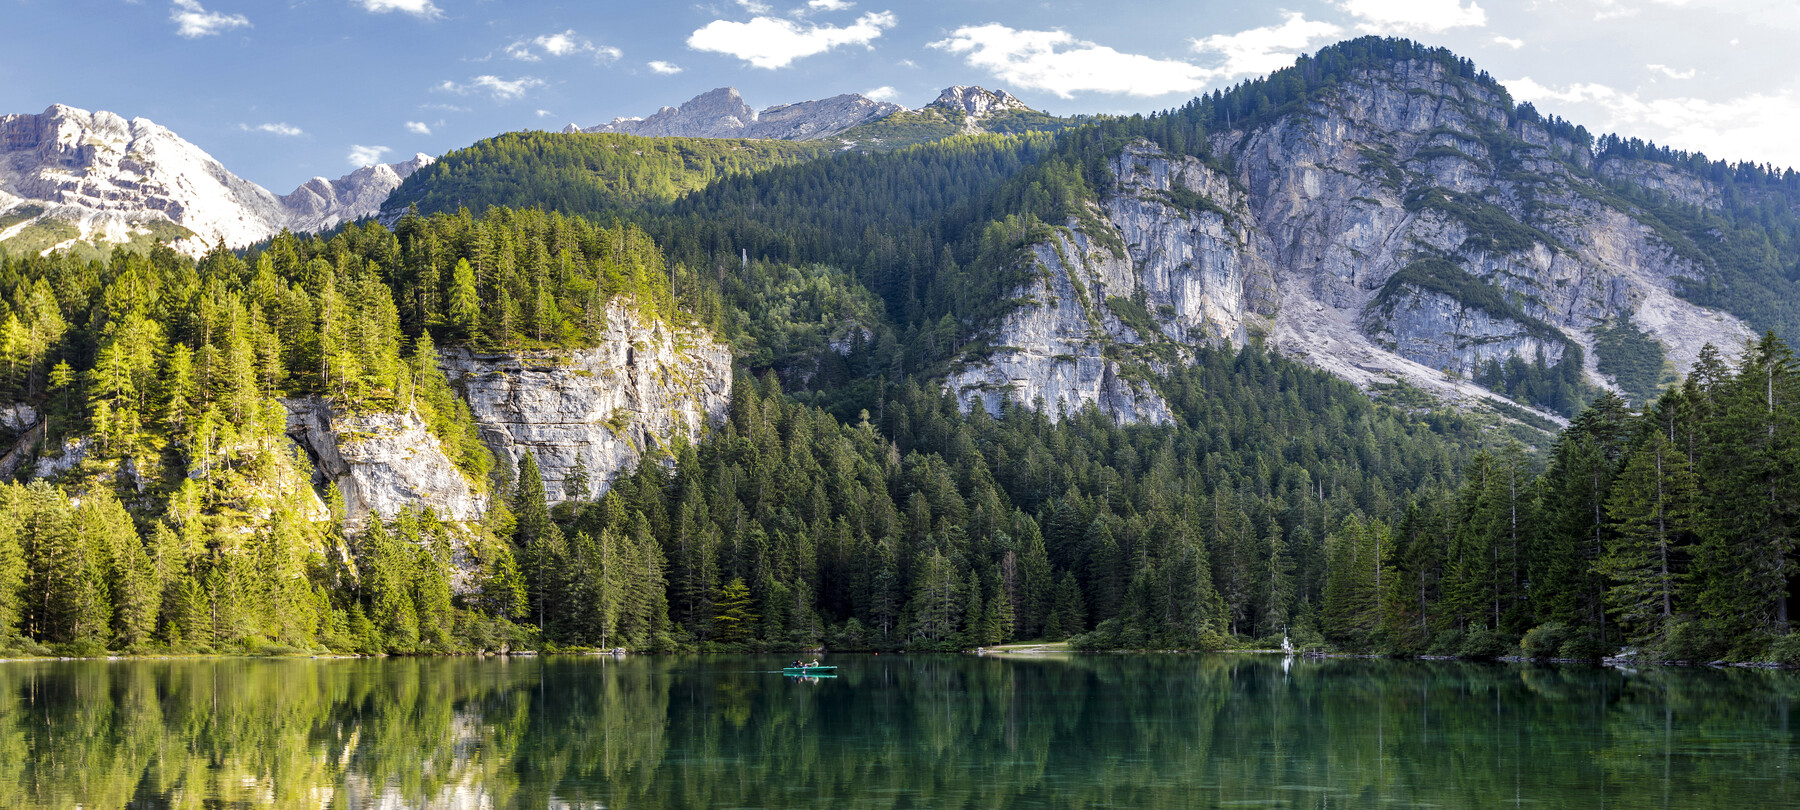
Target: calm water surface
[[890, 732]]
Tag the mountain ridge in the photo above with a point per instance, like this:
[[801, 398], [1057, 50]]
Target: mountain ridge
[[69, 176], [722, 113]]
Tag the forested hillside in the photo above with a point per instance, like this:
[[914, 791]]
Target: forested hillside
[[1670, 531], [156, 503], [585, 173], [152, 388], [183, 520]]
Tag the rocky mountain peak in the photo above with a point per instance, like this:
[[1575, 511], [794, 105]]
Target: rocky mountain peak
[[71, 176], [977, 102], [722, 113]]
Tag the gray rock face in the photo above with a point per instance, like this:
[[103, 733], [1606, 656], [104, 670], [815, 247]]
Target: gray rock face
[[976, 102], [320, 204], [722, 113], [606, 408], [98, 178], [1438, 331], [380, 462], [1323, 208], [17, 417]]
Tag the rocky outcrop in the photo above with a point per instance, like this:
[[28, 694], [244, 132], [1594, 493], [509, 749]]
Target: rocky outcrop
[[1056, 352], [1177, 273], [607, 408], [1441, 332], [380, 462], [1305, 240], [976, 102], [69, 176], [722, 113], [320, 204]]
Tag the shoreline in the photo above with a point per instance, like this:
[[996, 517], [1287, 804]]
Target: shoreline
[[1018, 651]]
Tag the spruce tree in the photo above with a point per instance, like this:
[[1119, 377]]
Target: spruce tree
[[736, 620], [534, 535], [465, 302], [1752, 474], [1653, 509], [974, 609], [12, 565]]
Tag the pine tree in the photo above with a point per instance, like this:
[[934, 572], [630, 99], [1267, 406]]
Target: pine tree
[[388, 586], [1652, 507], [1351, 606], [646, 592], [1068, 616], [534, 534], [938, 603], [577, 485], [12, 565], [735, 622], [1275, 583], [130, 578], [973, 610], [465, 302], [502, 588], [1752, 472]]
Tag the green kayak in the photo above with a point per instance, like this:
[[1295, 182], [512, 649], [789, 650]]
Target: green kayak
[[807, 670]]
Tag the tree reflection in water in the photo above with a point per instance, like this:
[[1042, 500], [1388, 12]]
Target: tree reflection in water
[[891, 731]]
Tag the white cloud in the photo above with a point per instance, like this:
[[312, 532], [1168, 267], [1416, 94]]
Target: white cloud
[[1427, 16], [1756, 127], [563, 44], [422, 9], [755, 6], [361, 156], [882, 93], [1673, 73], [566, 43], [1265, 50], [545, 113], [418, 128], [770, 42], [828, 5], [1061, 64], [281, 129], [193, 21], [500, 89], [1509, 42], [665, 68]]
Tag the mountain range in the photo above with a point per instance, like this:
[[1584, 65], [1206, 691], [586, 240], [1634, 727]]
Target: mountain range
[[722, 113], [913, 379], [69, 177]]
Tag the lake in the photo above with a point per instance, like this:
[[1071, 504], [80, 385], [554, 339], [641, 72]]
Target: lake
[[892, 731]]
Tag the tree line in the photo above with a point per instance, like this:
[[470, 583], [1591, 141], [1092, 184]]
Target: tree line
[[1670, 532]]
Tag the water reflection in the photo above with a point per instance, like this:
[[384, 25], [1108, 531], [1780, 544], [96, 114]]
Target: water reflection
[[890, 731]]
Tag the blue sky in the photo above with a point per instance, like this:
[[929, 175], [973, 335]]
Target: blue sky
[[282, 91]]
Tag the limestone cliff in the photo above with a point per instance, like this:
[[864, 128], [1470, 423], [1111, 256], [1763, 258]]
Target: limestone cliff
[[606, 408], [1399, 227], [380, 462]]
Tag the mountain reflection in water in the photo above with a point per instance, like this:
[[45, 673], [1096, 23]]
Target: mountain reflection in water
[[1140, 731]]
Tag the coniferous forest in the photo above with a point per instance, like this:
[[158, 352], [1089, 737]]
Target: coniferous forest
[[847, 501], [1281, 502]]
